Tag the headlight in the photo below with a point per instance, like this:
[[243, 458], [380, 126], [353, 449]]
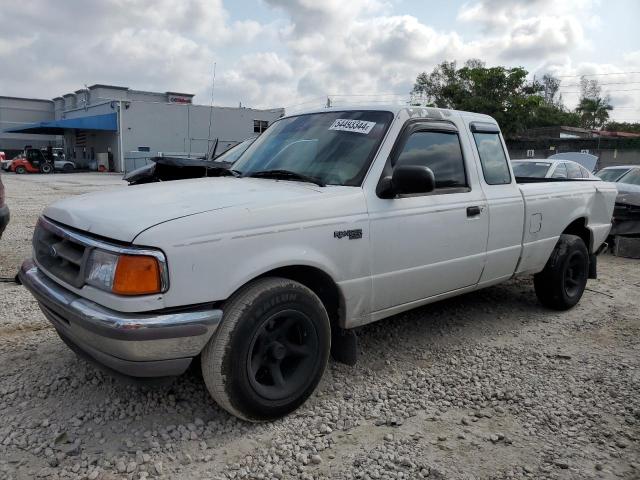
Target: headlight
[[125, 274], [101, 269]]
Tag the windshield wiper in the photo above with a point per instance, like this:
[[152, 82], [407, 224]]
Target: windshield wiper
[[286, 175]]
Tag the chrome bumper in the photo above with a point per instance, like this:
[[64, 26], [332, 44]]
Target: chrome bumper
[[153, 344]]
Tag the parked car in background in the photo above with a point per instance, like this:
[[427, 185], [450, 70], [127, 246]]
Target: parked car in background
[[164, 169], [626, 214], [4, 209], [330, 220], [626, 176], [547, 168], [62, 165], [5, 163]]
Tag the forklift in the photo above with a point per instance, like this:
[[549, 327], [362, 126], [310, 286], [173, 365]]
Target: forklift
[[31, 160]]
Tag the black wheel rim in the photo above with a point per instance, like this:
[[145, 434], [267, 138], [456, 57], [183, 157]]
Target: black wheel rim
[[282, 355], [574, 274]]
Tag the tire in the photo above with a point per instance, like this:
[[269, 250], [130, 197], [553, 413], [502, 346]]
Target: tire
[[272, 325], [562, 282], [46, 168], [21, 170], [67, 168]]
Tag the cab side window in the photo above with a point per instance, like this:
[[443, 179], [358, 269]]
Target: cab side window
[[560, 171], [439, 151], [495, 167]]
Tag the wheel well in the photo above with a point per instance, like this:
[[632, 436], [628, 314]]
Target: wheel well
[[319, 283], [579, 227]]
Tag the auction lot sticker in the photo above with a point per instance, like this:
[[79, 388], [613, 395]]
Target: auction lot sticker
[[357, 126]]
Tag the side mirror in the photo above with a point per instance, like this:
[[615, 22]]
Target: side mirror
[[407, 179]]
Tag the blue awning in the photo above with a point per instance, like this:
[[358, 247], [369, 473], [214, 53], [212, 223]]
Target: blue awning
[[107, 122]]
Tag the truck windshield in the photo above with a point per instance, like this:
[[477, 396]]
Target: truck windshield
[[335, 148], [530, 169]]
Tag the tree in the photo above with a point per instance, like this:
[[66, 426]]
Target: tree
[[551, 86], [503, 93], [593, 108]]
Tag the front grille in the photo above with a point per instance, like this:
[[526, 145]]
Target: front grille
[[59, 254]]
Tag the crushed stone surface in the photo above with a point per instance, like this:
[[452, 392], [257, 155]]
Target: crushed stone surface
[[489, 385]]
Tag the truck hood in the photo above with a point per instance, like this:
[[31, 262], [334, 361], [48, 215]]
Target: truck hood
[[124, 213]]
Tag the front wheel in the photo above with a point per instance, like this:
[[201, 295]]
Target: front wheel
[[562, 282], [21, 170], [270, 351], [46, 168]]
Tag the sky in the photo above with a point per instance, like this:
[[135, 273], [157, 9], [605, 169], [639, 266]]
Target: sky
[[295, 53]]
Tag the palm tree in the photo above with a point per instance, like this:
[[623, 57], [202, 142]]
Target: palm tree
[[594, 112]]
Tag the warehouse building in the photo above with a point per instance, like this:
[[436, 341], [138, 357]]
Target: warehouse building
[[119, 128], [17, 112]]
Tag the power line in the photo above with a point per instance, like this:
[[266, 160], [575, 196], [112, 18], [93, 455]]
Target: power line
[[611, 90], [594, 74], [600, 84]]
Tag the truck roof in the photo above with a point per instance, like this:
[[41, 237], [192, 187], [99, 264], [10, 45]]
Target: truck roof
[[411, 111]]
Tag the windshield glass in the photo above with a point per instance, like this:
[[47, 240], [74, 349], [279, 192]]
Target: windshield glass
[[632, 177], [334, 147], [611, 174], [530, 169]]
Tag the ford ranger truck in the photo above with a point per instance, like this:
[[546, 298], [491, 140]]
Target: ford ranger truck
[[330, 220]]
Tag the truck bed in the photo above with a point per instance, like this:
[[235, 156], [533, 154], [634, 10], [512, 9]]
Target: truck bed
[[587, 201]]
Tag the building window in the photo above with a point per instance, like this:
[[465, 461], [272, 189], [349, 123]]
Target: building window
[[260, 126], [144, 149]]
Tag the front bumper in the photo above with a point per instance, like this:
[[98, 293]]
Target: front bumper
[[150, 344], [4, 218]]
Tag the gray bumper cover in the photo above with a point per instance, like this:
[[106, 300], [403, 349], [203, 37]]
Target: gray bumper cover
[[153, 344]]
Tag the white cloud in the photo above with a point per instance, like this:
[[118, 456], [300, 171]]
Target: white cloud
[[315, 48]]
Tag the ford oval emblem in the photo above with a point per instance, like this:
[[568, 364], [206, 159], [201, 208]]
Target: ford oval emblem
[[53, 253]]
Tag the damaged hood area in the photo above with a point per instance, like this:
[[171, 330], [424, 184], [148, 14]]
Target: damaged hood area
[[626, 213], [125, 213]]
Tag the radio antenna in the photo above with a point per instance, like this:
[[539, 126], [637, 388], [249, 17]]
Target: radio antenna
[[213, 87]]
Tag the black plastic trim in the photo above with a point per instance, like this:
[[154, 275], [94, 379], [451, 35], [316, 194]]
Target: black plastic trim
[[484, 127]]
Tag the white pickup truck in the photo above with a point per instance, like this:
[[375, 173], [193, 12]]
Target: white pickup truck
[[331, 220]]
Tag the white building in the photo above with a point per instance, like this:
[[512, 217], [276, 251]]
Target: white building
[[106, 124]]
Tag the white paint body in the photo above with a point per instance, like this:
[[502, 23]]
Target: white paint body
[[220, 233]]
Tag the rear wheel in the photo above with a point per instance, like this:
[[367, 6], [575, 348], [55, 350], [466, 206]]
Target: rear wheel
[[269, 352], [46, 168], [21, 170], [67, 167], [562, 282]]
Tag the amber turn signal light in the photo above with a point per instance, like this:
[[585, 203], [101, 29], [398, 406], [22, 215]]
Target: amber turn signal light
[[137, 275]]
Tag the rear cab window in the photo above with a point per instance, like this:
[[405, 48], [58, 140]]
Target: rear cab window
[[495, 166]]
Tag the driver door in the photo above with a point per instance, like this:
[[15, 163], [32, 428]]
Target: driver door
[[425, 245]]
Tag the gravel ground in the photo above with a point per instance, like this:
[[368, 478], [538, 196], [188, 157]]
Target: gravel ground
[[487, 385]]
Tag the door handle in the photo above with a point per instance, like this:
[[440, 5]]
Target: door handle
[[473, 211]]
